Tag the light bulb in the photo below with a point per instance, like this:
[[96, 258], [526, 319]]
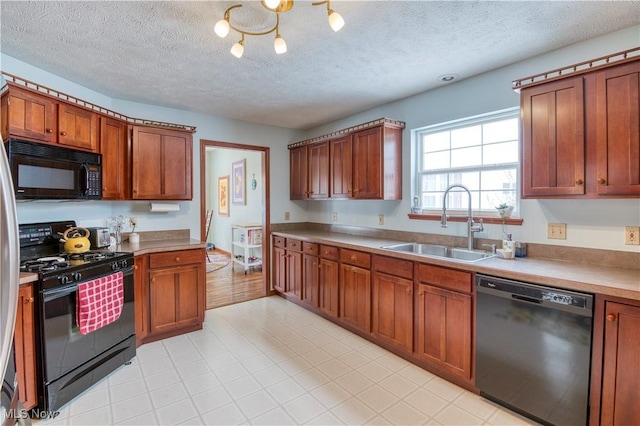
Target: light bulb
[[272, 4], [335, 20], [222, 28], [237, 49], [279, 45]]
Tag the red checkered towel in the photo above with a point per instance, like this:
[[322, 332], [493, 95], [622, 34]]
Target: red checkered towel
[[99, 302]]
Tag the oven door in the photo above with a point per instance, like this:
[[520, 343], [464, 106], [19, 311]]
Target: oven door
[[67, 354]]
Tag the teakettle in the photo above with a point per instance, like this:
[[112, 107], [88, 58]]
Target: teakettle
[[75, 241]]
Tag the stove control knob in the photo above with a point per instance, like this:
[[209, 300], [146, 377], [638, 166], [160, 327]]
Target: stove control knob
[[114, 266], [77, 276], [123, 263], [63, 279]]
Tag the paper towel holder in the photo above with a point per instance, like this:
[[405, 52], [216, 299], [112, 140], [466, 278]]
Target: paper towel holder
[[163, 207]]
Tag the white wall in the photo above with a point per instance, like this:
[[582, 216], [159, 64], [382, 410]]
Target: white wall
[[590, 223], [219, 163]]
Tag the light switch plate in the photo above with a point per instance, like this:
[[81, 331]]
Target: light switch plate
[[287, 215], [380, 219], [557, 231], [631, 237], [335, 216]]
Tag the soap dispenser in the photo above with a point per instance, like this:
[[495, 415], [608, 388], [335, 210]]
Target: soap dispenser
[[507, 243]]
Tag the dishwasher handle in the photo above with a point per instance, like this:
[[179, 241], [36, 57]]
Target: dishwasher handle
[[548, 297]]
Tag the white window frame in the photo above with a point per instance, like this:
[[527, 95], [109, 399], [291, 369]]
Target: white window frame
[[417, 158]]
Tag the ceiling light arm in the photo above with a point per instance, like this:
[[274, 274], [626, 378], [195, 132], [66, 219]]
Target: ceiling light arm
[[227, 17]]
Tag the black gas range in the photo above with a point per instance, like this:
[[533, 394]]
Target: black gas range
[[68, 359]]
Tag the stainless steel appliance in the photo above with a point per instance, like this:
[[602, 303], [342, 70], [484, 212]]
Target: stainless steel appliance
[[99, 237], [10, 408], [42, 171], [533, 349], [69, 361]]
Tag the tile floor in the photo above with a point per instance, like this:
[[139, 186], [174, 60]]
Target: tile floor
[[270, 362]]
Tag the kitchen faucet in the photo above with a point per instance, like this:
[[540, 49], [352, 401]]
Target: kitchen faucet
[[472, 226]]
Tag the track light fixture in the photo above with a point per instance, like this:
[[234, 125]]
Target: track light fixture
[[277, 7]]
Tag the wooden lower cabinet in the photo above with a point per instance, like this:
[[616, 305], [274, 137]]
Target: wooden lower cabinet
[[310, 279], [355, 289], [24, 339], [329, 287], [175, 293], [444, 305], [620, 370], [392, 302], [287, 266]]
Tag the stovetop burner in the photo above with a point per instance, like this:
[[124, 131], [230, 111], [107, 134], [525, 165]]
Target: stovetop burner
[[64, 261], [44, 264]]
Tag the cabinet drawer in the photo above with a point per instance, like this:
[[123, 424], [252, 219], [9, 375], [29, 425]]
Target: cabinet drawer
[[329, 252], [310, 248], [443, 277], [355, 258], [294, 244], [397, 267], [171, 258], [279, 241]]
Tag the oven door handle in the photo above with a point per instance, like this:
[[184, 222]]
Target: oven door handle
[[48, 295]]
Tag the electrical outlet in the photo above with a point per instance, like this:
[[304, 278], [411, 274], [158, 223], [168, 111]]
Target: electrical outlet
[[557, 231], [631, 237], [380, 219], [335, 216], [287, 215], [133, 221]]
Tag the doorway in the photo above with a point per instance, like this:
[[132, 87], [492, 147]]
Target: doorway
[[222, 165]]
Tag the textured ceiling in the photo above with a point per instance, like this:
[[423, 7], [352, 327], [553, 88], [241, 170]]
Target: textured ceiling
[[166, 53]]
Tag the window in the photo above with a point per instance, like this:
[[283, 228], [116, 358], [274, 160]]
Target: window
[[480, 153]]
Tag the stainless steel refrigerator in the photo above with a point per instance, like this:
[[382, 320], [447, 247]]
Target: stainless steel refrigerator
[[10, 412]]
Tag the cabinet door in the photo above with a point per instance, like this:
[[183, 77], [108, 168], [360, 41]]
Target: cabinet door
[[310, 279], [618, 130], [28, 115], [553, 157], [279, 269], [319, 170], [341, 167], [78, 127], [444, 329], [367, 164], [328, 283], [174, 298], [298, 173], [393, 310], [161, 164], [621, 370], [25, 349], [294, 274], [115, 159], [141, 297], [355, 297]]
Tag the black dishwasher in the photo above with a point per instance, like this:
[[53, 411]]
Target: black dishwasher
[[533, 349]]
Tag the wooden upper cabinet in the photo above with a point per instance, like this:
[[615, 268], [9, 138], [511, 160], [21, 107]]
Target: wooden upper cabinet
[[363, 162], [340, 150], [618, 130], [298, 173], [581, 134], [78, 127], [28, 115], [553, 141], [114, 146], [161, 164], [318, 170]]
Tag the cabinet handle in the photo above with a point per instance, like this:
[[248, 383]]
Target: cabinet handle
[[48, 130], [579, 182], [63, 133], [353, 258], [611, 317], [602, 181], [409, 290], [177, 259], [29, 300]]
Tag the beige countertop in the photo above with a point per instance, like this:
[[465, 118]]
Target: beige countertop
[[144, 247], [621, 282]]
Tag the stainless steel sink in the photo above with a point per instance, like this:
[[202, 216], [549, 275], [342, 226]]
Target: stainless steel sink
[[441, 251]]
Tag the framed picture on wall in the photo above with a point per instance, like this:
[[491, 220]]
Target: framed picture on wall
[[239, 186], [223, 196]]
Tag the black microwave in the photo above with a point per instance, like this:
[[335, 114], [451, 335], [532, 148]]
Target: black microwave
[[49, 172]]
